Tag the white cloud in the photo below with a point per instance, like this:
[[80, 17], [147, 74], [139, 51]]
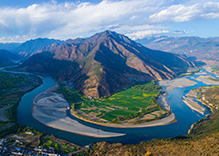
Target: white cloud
[[182, 13], [133, 17], [17, 38], [65, 20], [70, 20], [178, 32], [146, 33]]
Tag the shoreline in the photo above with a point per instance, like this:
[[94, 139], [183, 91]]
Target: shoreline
[[50, 109], [193, 105], [160, 122], [38, 113]]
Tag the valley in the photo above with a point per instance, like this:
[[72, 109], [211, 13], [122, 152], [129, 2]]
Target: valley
[[116, 128], [109, 88], [109, 78]]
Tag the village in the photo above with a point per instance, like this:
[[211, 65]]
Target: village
[[31, 144]]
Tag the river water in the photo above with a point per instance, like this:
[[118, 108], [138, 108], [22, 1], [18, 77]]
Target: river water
[[185, 116]]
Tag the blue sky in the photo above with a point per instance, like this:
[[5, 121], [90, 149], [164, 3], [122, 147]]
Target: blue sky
[[21, 20]]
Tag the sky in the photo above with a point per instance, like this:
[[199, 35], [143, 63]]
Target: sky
[[22, 20]]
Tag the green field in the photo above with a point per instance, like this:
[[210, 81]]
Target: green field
[[133, 102], [215, 68], [203, 141]]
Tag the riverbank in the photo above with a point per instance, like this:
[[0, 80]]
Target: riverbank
[[13, 86], [50, 108], [203, 138], [159, 122], [164, 121], [180, 82], [194, 105]]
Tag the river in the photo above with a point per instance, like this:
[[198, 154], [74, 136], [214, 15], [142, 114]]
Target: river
[[185, 116]]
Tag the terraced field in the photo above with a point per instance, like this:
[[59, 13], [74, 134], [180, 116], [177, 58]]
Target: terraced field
[[132, 103]]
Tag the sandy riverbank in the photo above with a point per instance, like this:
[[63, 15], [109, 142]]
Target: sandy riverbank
[[180, 82], [50, 109], [164, 121], [194, 105], [205, 79]]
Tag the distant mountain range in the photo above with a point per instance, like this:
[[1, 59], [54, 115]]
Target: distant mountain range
[[31, 47], [201, 48], [105, 63], [9, 46], [11, 52]]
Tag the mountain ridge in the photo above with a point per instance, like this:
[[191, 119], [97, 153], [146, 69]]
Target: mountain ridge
[[31, 47], [193, 46], [107, 62]]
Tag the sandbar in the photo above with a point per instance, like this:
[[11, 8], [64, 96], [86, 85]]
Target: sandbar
[[194, 105], [205, 79], [180, 82], [50, 108]]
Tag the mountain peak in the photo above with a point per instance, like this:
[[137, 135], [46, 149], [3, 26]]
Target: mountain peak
[[107, 62]]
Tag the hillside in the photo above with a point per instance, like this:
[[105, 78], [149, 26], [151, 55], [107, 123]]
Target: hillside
[[105, 63], [201, 48]]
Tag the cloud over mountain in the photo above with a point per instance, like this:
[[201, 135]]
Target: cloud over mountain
[[68, 20]]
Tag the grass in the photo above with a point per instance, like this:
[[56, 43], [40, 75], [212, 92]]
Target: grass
[[133, 102]]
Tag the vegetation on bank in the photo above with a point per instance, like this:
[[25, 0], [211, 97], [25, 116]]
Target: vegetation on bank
[[213, 79], [134, 104], [203, 141], [190, 71], [12, 88], [215, 68]]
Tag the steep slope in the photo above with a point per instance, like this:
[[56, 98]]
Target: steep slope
[[30, 47], [201, 48], [107, 62]]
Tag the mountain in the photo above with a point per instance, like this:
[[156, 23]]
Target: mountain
[[7, 58], [201, 48], [9, 46], [105, 63], [30, 47]]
